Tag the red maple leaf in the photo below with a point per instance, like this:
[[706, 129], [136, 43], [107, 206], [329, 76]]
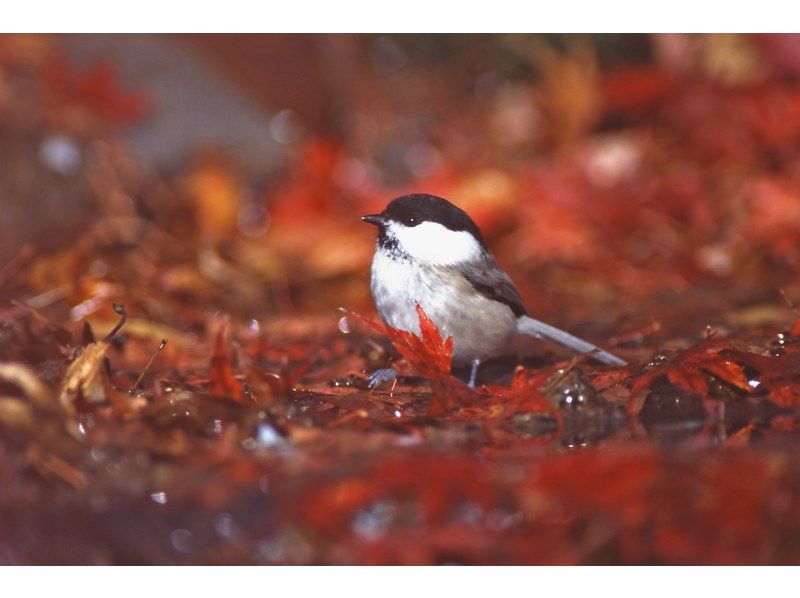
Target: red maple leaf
[[779, 375], [524, 395], [429, 354], [689, 370]]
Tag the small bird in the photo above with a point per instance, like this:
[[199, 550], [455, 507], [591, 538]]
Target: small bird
[[430, 252]]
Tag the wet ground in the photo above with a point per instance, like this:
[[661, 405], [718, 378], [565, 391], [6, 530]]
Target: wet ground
[[542, 464]]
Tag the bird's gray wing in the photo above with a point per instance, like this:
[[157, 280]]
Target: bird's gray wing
[[491, 282]]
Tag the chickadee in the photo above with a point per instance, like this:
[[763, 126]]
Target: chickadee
[[431, 252]]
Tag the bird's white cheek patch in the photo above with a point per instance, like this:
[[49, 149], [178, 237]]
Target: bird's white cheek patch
[[436, 244]]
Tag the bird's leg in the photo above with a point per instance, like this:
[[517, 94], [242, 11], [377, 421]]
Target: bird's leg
[[474, 373], [382, 376]]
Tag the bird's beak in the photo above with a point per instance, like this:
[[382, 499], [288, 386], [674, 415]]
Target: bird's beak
[[375, 219]]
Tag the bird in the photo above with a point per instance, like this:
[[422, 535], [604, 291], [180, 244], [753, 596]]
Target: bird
[[430, 252]]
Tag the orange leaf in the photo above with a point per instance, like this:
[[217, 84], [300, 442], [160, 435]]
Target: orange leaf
[[430, 355], [785, 396], [741, 437], [729, 372], [688, 371], [795, 329], [223, 383], [688, 379]]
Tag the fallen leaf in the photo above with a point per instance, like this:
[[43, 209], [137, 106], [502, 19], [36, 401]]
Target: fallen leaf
[[223, 382]]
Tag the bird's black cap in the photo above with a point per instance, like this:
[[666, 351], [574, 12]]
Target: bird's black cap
[[412, 210]]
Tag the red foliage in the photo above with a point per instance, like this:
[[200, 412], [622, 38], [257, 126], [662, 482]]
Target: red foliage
[[222, 381], [671, 202], [97, 89], [524, 395], [689, 371], [429, 355], [635, 89], [778, 375]]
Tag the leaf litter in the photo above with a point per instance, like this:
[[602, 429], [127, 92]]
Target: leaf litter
[[249, 435]]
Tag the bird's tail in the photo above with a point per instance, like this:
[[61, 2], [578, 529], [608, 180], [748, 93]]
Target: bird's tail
[[527, 325]]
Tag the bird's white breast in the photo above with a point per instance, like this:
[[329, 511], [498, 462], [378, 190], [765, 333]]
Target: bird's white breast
[[480, 327]]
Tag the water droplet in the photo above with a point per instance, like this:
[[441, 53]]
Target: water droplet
[[351, 174], [159, 497], [216, 427], [286, 127], [422, 159], [501, 519], [181, 540], [253, 220], [61, 154], [470, 513], [612, 159], [373, 522], [387, 57], [344, 325], [269, 436], [285, 547], [224, 525], [82, 310]]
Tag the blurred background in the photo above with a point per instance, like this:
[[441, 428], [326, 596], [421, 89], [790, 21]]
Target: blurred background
[[614, 174]]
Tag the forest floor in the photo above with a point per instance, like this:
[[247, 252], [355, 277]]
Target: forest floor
[[178, 385]]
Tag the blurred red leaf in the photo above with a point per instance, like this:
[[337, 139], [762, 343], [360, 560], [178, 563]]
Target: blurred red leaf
[[310, 186], [98, 89], [636, 88], [223, 382], [785, 395], [741, 437], [449, 394]]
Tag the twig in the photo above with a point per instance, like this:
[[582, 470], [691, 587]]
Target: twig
[[147, 367]]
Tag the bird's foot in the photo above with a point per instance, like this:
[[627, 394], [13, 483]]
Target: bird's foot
[[382, 376]]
